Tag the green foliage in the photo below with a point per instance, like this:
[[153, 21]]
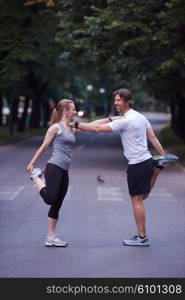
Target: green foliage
[[27, 42], [127, 41], [144, 37], [137, 44], [169, 138]]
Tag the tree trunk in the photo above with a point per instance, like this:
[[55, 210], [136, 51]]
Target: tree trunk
[[35, 114], [179, 123], [173, 113], [13, 114], [46, 114], [1, 110], [22, 121]]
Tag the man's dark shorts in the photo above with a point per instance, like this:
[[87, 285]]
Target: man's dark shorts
[[139, 177]]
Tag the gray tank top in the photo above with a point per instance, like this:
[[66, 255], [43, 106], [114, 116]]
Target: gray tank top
[[62, 149]]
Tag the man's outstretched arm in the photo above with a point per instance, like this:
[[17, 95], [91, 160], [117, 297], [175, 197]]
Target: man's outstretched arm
[[106, 120], [92, 126]]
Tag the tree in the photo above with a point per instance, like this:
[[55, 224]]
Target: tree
[[138, 40], [29, 54]]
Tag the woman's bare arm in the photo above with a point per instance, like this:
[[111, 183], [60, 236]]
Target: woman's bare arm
[[50, 135]]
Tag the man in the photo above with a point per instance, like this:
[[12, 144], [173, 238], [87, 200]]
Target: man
[[134, 129]]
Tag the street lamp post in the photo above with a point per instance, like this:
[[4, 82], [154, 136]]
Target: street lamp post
[[102, 92], [89, 88]]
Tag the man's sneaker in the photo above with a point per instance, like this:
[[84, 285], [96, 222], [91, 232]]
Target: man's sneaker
[[137, 241], [36, 173], [55, 241], [161, 160]]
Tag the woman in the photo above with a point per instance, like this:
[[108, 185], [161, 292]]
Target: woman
[[56, 183]]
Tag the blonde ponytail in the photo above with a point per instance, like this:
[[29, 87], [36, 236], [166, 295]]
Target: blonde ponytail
[[61, 108], [53, 116]]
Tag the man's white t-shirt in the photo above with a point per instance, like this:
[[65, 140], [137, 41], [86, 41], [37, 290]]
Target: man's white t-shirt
[[132, 130]]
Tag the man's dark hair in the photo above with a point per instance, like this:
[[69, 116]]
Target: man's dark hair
[[124, 94]]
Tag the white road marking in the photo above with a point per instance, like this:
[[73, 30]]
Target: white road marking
[[111, 193], [10, 193], [161, 194], [119, 179], [116, 193]]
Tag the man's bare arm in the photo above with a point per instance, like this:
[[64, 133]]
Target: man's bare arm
[[155, 142], [106, 120], [93, 127]]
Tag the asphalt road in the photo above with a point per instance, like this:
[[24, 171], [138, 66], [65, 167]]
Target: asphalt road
[[94, 219]]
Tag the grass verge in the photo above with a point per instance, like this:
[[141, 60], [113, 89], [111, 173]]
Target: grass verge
[[7, 138], [173, 143]]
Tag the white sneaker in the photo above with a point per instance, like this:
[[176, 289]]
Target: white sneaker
[[55, 241], [137, 241], [160, 161], [36, 173]]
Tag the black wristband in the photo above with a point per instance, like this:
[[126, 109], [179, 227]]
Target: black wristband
[[76, 124], [110, 119]]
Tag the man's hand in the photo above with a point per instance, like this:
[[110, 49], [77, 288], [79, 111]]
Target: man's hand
[[72, 124]]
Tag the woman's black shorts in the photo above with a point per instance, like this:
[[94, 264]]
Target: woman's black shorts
[[139, 176]]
